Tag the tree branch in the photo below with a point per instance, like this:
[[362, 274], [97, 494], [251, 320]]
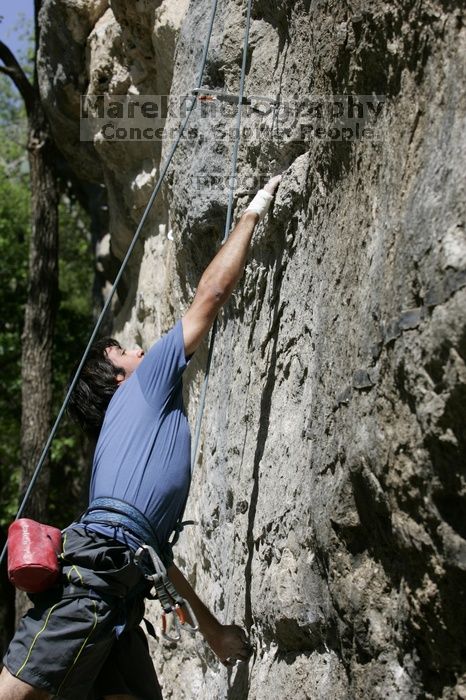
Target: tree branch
[[7, 71], [18, 76]]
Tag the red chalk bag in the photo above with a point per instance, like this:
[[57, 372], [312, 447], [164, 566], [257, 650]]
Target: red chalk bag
[[33, 550]]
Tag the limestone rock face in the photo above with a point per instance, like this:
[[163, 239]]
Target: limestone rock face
[[102, 49], [330, 487]]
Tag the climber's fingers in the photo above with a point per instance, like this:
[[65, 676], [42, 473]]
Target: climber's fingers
[[273, 184]]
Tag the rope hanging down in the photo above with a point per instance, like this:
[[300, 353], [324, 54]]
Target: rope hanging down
[[154, 194], [234, 161]]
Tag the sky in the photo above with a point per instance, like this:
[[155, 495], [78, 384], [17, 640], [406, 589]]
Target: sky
[[13, 13]]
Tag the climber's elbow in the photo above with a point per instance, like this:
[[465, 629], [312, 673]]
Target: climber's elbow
[[201, 314], [214, 292]]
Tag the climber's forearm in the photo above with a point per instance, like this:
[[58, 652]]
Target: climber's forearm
[[217, 283], [208, 624], [229, 642], [225, 270], [221, 276]]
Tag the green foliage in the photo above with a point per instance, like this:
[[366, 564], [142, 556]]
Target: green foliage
[[14, 225], [13, 134], [14, 235], [70, 451]]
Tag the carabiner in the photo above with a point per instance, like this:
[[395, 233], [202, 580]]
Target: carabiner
[[175, 612], [180, 621], [192, 629]]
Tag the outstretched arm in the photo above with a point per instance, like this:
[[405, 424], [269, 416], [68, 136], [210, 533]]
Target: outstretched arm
[[228, 642], [221, 276]]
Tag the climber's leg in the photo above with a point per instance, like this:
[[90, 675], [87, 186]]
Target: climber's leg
[[12, 688]]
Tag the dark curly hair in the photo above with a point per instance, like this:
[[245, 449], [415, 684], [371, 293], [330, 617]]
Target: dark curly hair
[[95, 387]]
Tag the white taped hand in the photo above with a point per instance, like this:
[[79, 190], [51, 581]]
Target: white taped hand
[[260, 204]]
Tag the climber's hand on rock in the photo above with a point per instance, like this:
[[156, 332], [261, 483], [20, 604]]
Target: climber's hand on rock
[[230, 644], [261, 202], [272, 185]]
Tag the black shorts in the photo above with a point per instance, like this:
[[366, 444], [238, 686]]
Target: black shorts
[[81, 640]]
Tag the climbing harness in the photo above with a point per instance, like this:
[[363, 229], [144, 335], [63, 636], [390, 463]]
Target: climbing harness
[[117, 513], [151, 558]]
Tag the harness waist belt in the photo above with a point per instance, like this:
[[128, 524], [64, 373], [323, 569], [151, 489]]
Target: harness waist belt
[[117, 513]]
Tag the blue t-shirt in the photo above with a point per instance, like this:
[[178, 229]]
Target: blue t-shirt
[[143, 451]]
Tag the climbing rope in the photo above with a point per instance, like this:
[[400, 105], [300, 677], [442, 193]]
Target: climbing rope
[[232, 183], [228, 220], [154, 194]]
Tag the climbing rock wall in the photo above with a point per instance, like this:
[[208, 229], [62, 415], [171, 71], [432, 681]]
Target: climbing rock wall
[[330, 484]]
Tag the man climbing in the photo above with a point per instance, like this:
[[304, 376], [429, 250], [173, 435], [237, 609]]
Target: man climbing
[[82, 638]]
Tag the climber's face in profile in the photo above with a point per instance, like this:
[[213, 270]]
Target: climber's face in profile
[[129, 360]]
